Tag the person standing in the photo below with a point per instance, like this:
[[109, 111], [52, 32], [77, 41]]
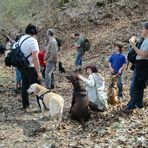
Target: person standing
[[17, 71], [51, 59], [41, 56], [117, 64], [140, 75], [31, 74], [79, 43]]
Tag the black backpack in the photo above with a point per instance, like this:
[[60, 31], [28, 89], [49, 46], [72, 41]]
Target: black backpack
[[16, 57], [86, 45], [132, 54], [2, 49]]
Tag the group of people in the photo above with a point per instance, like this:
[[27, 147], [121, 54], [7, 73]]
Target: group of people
[[42, 64]]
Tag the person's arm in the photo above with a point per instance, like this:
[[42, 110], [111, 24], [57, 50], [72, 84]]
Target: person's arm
[[79, 43], [36, 63], [143, 54], [47, 54], [123, 66], [121, 69], [110, 67], [89, 82], [77, 46]]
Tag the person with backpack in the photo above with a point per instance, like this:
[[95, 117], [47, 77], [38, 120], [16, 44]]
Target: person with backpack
[[18, 78], [131, 56], [51, 59], [31, 73], [140, 75], [95, 88], [79, 45], [117, 64]]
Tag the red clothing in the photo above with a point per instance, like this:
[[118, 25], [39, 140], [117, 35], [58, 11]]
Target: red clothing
[[41, 58]]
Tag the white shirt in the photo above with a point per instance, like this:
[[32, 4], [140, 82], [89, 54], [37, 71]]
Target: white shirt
[[29, 45]]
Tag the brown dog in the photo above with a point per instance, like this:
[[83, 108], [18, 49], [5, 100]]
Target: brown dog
[[112, 91], [80, 104]]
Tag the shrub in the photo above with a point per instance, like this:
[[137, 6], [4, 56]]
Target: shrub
[[63, 2]]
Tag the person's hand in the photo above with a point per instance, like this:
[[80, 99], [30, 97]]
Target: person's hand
[[120, 71], [132, 40], [39, 76], [112, 70], [80, 77]]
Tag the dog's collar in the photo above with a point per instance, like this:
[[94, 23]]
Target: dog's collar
[[42, 95]]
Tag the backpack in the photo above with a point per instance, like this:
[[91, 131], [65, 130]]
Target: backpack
[[132, 54], [2, 49], [16, 57], [86, 45], [59, 42]]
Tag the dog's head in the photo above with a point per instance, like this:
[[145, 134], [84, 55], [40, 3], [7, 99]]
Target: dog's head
[[34, 89], [73, 79], [75, 82]]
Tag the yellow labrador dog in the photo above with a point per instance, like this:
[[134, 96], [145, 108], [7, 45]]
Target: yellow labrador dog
[[54, 102]]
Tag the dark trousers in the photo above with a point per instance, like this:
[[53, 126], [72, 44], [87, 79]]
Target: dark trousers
[[29, 76], [138, 84]]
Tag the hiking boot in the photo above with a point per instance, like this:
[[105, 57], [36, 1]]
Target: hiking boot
[[127, 110], [18, 90], [79, 70]]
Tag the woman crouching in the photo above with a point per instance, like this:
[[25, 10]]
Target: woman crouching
[[95, 86]]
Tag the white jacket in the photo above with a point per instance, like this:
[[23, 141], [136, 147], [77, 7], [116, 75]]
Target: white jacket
[[95, 86]]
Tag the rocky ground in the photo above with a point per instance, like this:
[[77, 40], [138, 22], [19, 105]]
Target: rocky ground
[[102, 24], [105, 130]]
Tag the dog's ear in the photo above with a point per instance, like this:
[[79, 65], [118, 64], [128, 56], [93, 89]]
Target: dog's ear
[[36, 90]]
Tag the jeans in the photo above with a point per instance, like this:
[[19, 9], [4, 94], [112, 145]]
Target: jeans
[[49, 77], [43, 71], [136, 91], [120, 86], [29, 76], [78, 61], [18, 75]]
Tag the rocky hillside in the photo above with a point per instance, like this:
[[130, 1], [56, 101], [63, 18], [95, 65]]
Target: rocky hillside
[[103, 21]]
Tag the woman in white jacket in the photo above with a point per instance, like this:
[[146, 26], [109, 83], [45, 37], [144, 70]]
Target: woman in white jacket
[[95, 86]]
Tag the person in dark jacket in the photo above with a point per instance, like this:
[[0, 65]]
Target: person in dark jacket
[[140, 75]]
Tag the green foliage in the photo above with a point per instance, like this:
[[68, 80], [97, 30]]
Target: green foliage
[[63, 2], [14, 11], [100, 4]]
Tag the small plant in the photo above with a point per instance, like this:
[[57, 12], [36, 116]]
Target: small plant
[[63, 2], [100, 4]]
